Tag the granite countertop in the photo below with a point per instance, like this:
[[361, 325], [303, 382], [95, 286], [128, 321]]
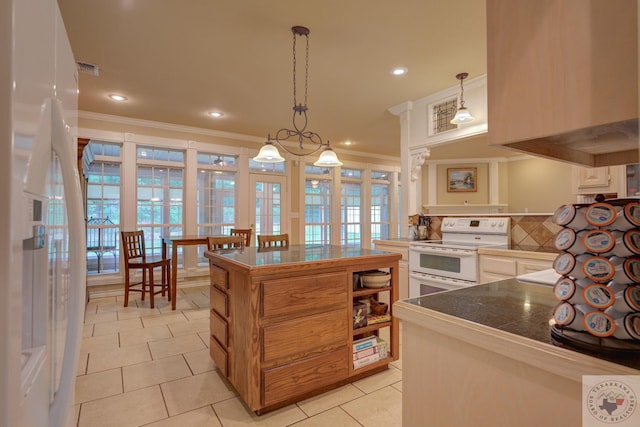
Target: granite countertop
[[258, 257], [516, 307]]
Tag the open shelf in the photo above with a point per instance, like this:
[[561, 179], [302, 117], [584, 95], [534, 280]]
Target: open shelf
[[363, 292], [371, 328]]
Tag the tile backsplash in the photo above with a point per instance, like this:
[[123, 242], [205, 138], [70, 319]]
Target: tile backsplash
[[526, 230]]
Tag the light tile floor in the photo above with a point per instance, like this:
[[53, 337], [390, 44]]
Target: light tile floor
[[144, 367]]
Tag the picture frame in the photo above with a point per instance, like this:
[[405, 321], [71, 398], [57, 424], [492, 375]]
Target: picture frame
[[462, 180]]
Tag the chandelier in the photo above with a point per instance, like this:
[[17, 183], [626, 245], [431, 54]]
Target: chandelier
[[269, 152]]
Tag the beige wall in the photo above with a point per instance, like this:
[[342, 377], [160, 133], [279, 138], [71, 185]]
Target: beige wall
[[539, 185], [526, 184]]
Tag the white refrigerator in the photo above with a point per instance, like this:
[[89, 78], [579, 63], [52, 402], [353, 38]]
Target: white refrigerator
[[42, 255]]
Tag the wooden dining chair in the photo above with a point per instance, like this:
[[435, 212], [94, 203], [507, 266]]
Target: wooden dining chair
[[273, 240], [225, 242], [244, 232], [135, 258]]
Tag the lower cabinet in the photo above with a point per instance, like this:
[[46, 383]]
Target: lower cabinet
[[494, 267]]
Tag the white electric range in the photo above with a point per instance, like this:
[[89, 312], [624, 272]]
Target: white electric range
[[452, 263]]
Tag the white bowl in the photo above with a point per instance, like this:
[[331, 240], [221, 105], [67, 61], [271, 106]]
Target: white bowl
[[375, 279]]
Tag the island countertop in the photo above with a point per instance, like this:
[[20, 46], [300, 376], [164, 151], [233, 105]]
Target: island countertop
[[254, 257]]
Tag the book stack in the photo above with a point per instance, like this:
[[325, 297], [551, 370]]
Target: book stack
[[372, 319], [365, 351]]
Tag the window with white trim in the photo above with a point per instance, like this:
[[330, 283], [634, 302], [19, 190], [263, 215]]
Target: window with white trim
[[160, 195], [103, 193], [216, 196], [380, 208], [317, 210], [350, 207]]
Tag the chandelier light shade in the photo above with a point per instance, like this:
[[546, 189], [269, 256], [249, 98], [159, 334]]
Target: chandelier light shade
[[308, 142], [463, 115]]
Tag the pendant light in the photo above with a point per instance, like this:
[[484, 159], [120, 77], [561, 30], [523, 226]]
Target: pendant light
[[462, 115], [269, 152]]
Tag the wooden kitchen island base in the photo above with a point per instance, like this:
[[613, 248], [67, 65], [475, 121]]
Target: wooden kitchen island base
[[282, 320]]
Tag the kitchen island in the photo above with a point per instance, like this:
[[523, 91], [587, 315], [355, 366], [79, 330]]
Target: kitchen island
[[282, 319], [484, 355]]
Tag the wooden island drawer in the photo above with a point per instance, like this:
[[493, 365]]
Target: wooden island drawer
[[220, 356], [286, 381], [219, 328], [304, 294], [304, 336], [219, 301], [219, 277]]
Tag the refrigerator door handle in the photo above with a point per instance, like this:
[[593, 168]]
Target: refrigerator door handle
[[62, 144]]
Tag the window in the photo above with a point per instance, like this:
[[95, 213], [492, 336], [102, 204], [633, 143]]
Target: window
[[160, 187], [103, 208], [279, 167], [317, 197], [380, 209], [216, 196], [350, 207]]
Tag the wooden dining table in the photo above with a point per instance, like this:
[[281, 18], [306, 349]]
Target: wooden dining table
[[175, 242]]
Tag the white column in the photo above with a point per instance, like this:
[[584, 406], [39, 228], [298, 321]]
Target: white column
[[493, 183], [432, 182], [403, 111]]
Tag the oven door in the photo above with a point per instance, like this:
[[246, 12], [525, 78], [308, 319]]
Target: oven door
[[455, 263], [425, 284]]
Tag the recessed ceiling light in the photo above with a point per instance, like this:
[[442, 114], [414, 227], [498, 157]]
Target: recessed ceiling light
[[215, 114], [118, 98], [399, 71]]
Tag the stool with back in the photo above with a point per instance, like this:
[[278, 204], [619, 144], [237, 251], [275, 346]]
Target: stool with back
[[135, 258]]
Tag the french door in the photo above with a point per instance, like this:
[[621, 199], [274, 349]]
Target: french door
[[269, 204]]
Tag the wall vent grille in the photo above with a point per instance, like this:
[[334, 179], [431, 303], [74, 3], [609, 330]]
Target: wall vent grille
[[87, 68]]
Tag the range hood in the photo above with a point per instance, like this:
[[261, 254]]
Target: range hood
[[604, 145], [562, 79]]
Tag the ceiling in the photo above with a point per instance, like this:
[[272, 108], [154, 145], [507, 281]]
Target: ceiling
[[178, 60]]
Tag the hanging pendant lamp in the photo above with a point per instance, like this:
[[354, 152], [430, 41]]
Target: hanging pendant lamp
[[269, 152], [463, 115]]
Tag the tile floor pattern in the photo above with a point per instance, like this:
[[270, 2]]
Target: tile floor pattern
[[144, 367]]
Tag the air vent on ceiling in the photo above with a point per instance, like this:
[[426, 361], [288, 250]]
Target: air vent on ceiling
[[86, 68]]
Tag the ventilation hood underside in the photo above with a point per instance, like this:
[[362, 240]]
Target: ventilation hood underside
[[603, 145]]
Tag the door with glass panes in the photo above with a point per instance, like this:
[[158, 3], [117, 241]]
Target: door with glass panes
[[268, 201]]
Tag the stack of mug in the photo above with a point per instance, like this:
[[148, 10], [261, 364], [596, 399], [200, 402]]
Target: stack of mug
[[599, 291]]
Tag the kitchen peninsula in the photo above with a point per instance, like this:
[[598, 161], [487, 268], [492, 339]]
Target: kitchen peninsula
[[486, 353], [282, 319]]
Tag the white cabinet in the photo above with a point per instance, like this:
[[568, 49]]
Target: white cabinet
[[400, 247], [605, 179], [503, 264]]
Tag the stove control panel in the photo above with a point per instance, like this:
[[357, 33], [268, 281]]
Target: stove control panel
[[488, 225]]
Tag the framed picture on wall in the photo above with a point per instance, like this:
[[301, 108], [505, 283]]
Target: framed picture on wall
[[461, 179]]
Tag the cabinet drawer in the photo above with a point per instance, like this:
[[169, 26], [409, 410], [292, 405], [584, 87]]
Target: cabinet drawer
[[219, 328], [219, 302], [220, 356], [304, 336], [498, 265], [304, 294], [284, 382], [219, 277]]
